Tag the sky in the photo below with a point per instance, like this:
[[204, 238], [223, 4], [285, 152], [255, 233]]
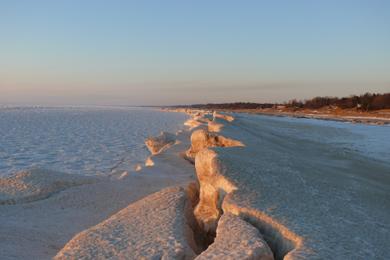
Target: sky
[[166, 52]]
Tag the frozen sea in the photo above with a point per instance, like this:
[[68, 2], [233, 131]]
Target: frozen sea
[[87, 140]]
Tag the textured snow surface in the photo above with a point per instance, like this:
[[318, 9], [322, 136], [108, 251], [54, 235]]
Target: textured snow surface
[[35, 184], [369, 140], [157, 144], [79, 140], [41, 228], [237, 239], [152, 228], [315, 189]]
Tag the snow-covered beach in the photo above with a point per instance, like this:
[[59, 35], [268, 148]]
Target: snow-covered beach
[[280, 187], [315, 189], [194, 130], [45, 199]]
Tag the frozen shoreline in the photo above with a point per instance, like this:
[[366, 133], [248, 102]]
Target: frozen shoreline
[[39, 216], [308, 192], [251, 180], [353, 118], [79, 140]]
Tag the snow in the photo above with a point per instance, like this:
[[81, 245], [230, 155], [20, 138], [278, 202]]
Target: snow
[[40, 229], [315, 189], [152, 228], [237, 239], [368, 140], [36, 184], [159, 143], [201, 139], [86, 140], [308, 189]]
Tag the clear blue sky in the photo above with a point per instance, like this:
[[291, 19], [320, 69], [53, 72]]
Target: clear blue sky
[[170, 52]]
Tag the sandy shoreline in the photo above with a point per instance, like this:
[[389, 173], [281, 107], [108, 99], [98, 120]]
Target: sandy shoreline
[[363, 119], [380, 117]]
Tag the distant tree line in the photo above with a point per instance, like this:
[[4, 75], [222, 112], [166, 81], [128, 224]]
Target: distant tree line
[[236, 105], [365, 102]]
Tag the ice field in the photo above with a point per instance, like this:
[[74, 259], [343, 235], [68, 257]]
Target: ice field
[[94, 140]]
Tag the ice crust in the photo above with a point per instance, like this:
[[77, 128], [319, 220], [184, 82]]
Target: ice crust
[[157, 144], [89, 140], [311, 196], [37, 227], [36, 184], [287, 189], [237, 239], [152, 228]]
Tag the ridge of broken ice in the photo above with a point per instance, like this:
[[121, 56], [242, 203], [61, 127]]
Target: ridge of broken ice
[[153, 227], [286, 193], [310, 198]]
